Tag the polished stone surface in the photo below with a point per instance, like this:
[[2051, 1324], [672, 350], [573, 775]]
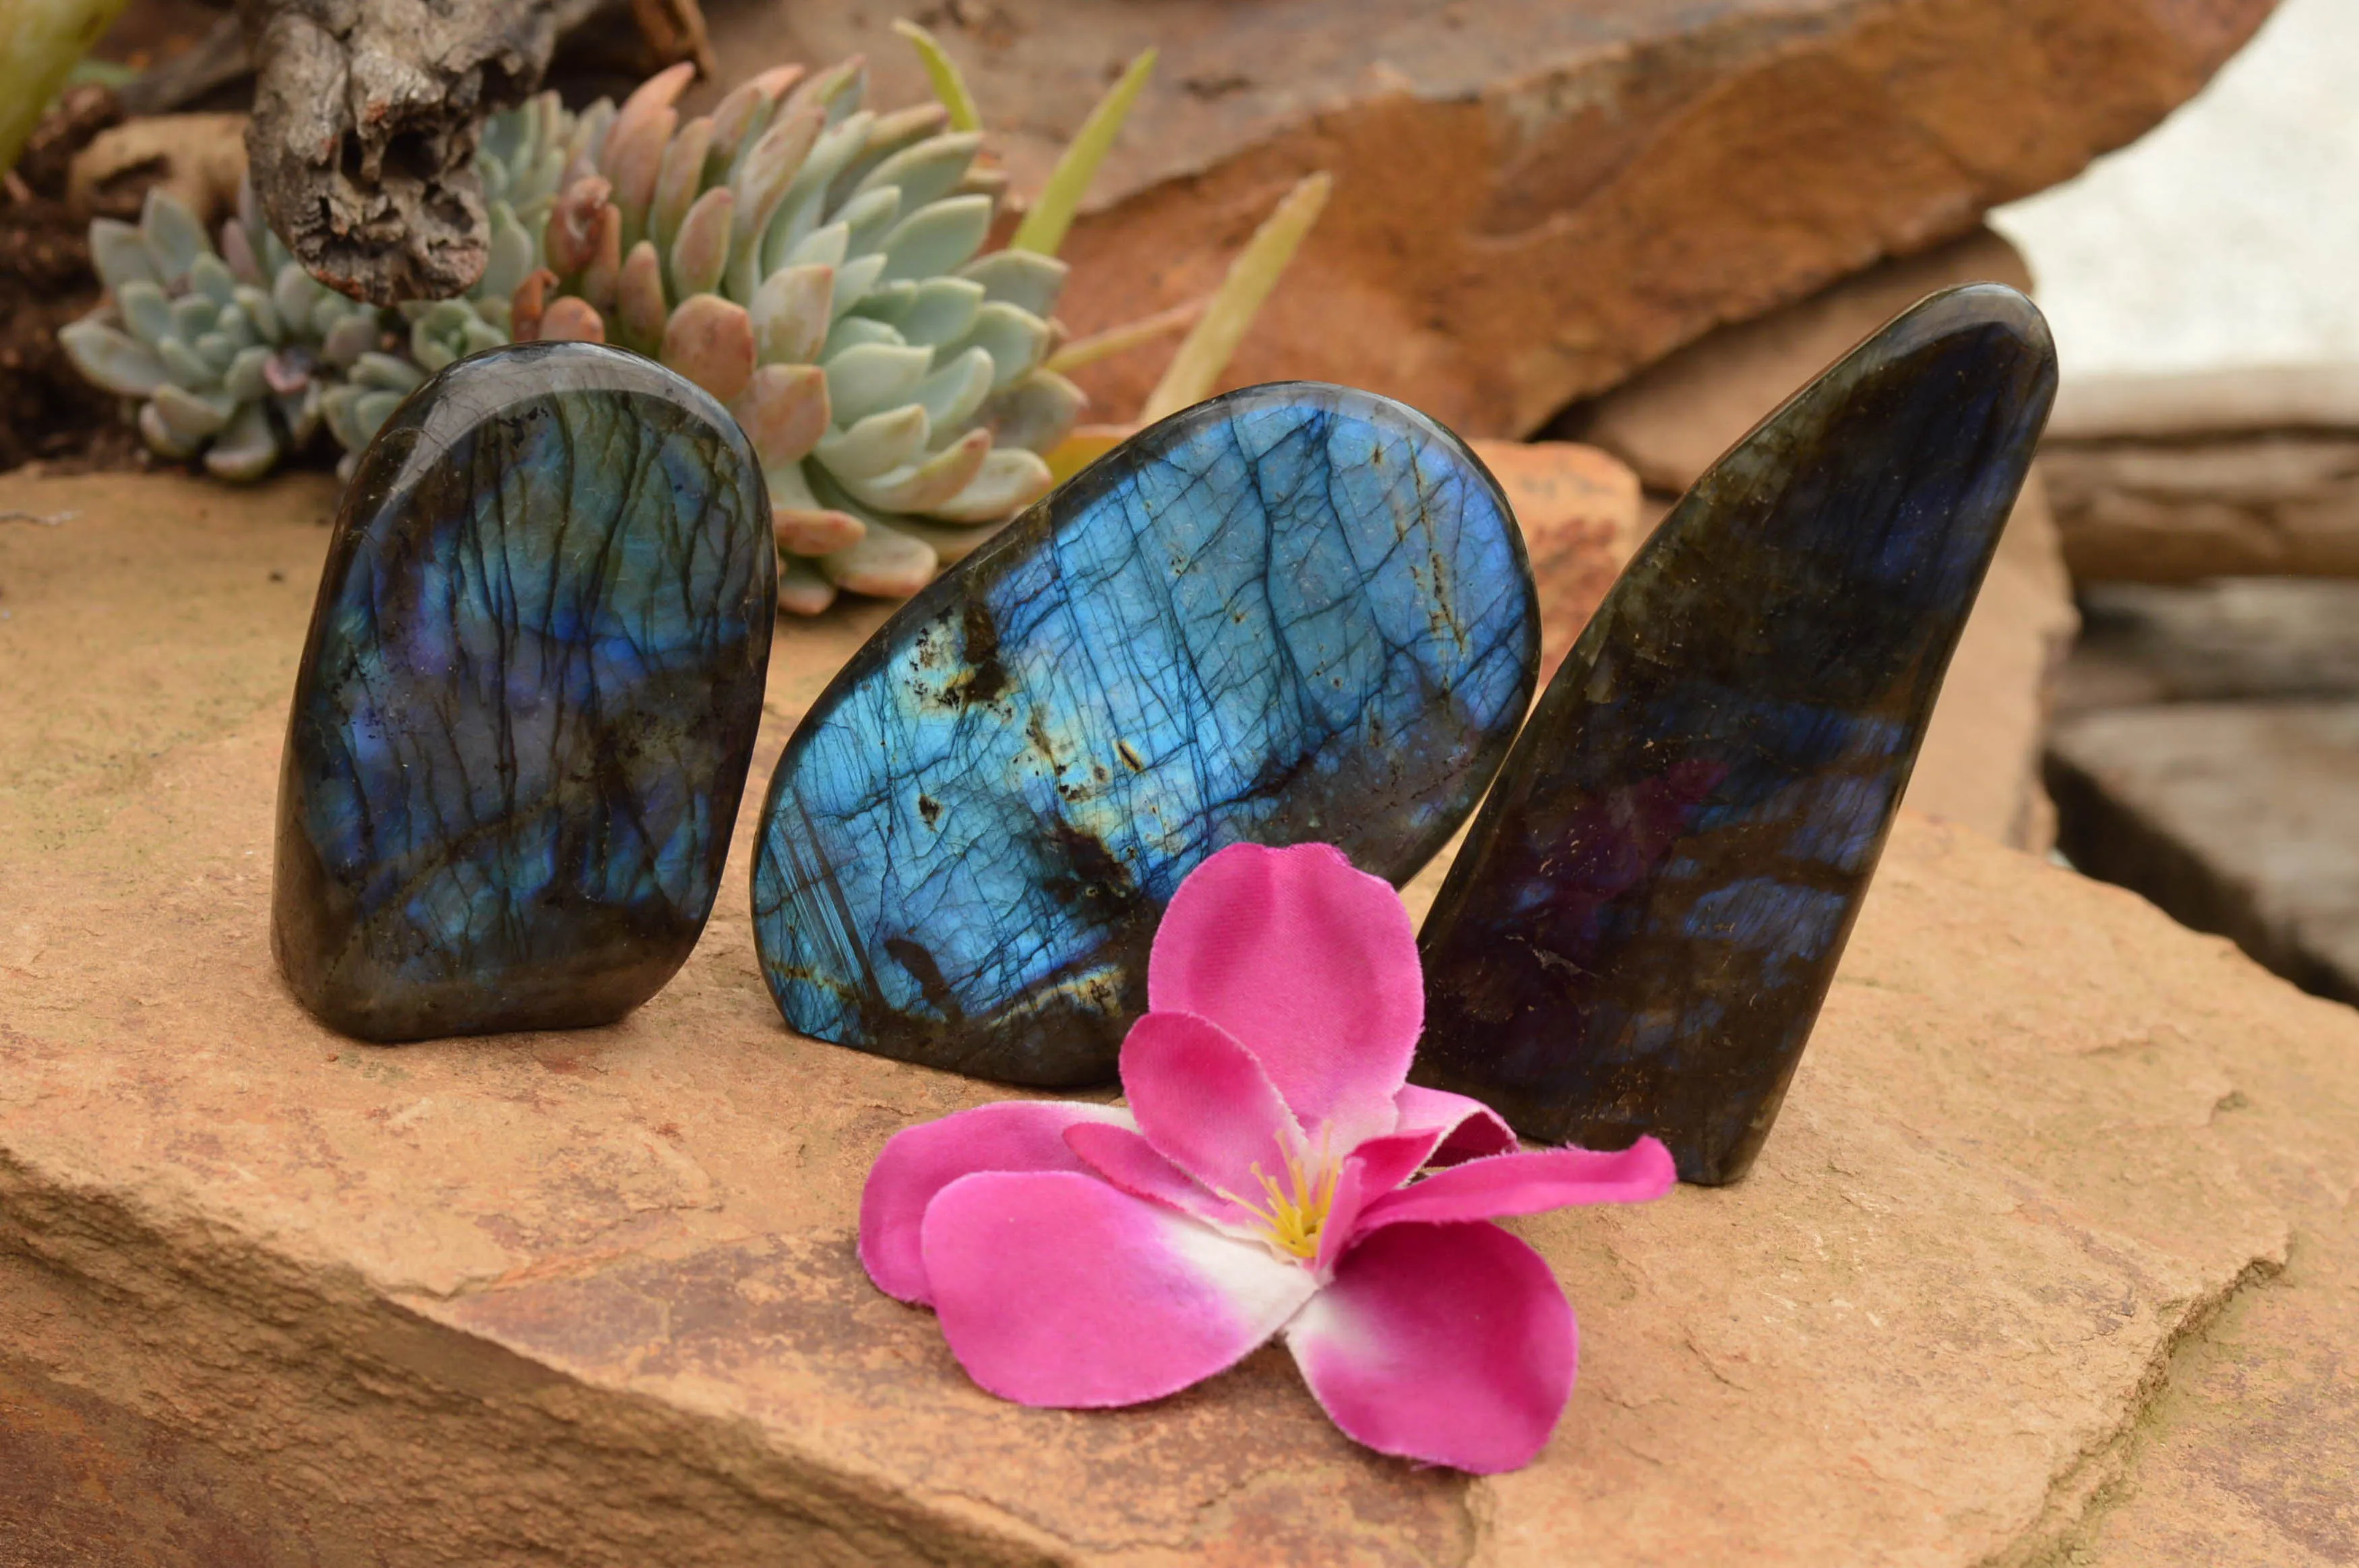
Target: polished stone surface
[[1639, 930], [1293, 613], [528, 702]]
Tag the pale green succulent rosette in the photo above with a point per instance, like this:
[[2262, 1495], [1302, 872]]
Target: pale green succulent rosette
[[228, 352], [814, 265]]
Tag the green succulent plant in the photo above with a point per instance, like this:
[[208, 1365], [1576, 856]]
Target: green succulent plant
[[227, 353], [816, 265]]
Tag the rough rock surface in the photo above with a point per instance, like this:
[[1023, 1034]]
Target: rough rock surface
[[2172, 479], [2236, 817], [1532, 198], [2283, 501], [1981, 761], [2228, 640], [2051, 1251], [1579, 511]]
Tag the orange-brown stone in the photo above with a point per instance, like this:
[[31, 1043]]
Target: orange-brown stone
[[2050, 1252], [1532, 198]]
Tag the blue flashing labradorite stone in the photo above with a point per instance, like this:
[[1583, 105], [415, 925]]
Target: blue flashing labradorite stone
[[1293, 613], [528, 702], [1645, 916]]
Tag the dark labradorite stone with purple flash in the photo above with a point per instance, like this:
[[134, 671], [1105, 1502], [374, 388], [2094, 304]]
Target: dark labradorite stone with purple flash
[[1645, 916], [1293, 613], [528, 702]]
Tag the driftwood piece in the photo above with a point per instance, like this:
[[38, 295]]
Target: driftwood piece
[[365, 117]]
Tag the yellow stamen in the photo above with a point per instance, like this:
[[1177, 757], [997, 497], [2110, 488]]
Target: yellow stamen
[[1296, 1208]]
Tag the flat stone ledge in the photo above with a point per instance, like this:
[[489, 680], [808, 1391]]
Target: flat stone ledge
[[268, 1297], [2241, 818]]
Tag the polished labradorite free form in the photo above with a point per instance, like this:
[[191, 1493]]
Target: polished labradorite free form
[[528, 701], [1293, 613], [1645, 916]]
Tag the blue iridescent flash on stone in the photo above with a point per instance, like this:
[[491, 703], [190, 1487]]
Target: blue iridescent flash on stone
[[1643, 920], [1293, 613], [528, 702]]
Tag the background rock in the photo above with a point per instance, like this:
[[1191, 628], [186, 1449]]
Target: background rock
[[2136, 510], [199, 159], [2239, 818], [1532, 199], [2056, 1180], [1579, 511], [2232, 639]]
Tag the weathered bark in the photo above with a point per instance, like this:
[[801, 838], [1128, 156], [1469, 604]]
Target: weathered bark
[[366, 119]]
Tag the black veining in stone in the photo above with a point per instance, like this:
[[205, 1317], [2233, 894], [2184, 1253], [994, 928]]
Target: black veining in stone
[[1648, 912], [528, 702], [1293, 613]]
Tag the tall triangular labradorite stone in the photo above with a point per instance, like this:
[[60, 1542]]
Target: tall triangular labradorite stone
[[528, 702], [1293, 613], [1645, 918]]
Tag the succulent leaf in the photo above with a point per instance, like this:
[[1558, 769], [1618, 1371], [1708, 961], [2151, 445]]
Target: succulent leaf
[[873, 376], [791, 311], [145, 311], [678, 177], [937, 239], [926, 486], [953, 394], [244, 380], [1026, 279], [1010, 479], [246, 449], [173, 236], [877, 445], [1015, 341], [785, 411], [801, 590], [702, 249], [885, 563], [1035, 413], [639, 308], [709, 340], [572, 319], [120, 255], [112, 359], [192, 417]]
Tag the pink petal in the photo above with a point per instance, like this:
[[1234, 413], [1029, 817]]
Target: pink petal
[[1374, 1169], [1205, 1103], [1470, 1128], [1527, 1183], [920, 1162], [1058, 1290], [1450, 1344], [1127, 1160], [1310, 966]]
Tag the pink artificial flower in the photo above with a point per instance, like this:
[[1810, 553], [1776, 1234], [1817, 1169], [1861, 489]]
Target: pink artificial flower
[[1259, 1183]]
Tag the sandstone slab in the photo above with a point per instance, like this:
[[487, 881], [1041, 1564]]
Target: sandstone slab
[[1532, 198], [2228, 640], [271, 1297], [2236, 817], [1981, 759], [2281, 502]]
